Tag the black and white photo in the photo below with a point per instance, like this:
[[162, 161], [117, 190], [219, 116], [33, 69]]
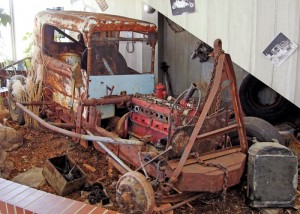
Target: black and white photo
[[180, 7], [279, 49]]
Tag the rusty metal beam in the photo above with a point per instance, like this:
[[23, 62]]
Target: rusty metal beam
[[221, 131], [107, 100], [182, 203], [111, 154], [210, 98], [35, 103], [237, 107], [123, 39], [119, 167], [63, 125]]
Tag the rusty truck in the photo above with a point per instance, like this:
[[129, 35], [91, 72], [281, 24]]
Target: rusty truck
[[169, 150]]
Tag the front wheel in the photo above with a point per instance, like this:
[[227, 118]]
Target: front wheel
[[16, 113], [135, 194]]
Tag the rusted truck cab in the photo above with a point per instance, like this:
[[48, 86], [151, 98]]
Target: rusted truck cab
[[87, 55]]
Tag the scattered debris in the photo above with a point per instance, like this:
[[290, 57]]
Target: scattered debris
[[89, 167], [98, 194], [63, 174], [32, 178]]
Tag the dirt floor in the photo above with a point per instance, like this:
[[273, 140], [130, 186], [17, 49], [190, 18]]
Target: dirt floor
[[41, 144]]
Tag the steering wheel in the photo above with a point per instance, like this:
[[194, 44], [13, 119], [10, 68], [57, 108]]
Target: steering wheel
[[108, 61], [176, 102]]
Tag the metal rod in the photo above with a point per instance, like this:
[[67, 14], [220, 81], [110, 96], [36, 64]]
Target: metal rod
[[107, 100], [63, 125], [77, 135], [144, 170], [123, 39], [181, 203], [37, 103], [153, 159], [116, 158]]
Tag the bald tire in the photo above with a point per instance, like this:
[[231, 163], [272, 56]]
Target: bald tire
[[262, 130]]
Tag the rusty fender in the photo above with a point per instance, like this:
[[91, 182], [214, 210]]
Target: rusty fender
[[76, 135]]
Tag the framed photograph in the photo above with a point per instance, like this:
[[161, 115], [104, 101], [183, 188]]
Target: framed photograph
[[180, 7], [280, 49]]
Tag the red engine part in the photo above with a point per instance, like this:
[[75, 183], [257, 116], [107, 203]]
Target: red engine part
[[149, 118], [160, 91]]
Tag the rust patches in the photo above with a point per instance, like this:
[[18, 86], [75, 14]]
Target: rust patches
[[87, 22]]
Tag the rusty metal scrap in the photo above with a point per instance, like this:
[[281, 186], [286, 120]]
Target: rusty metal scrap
[[76, 135]]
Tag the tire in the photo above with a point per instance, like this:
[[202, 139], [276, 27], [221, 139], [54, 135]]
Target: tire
[[259, 128], [254, 97], [16, 113]]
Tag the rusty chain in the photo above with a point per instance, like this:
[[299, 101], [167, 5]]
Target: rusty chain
[[221, 167], [212, 80]]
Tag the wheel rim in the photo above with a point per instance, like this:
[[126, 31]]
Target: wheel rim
[[135, 194], [266, 97]]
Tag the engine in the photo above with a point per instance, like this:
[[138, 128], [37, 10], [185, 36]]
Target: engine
[[153, 119], [159, 121]]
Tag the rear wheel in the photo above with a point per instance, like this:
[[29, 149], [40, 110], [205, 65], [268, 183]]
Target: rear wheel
[[262, 130], [16, 113]]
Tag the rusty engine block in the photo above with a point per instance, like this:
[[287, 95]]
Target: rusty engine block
[[150, 117], [162, 122]]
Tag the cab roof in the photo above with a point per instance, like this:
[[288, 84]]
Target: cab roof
[[86, 21]]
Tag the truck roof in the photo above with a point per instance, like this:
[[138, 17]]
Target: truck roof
[[86, 21]]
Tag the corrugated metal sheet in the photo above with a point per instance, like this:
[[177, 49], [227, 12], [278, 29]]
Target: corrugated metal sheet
[[246, 28]]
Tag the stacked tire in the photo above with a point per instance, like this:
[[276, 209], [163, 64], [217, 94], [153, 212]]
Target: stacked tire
[[256, 101]]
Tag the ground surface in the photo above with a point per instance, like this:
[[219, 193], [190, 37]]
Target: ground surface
[[41, 144]]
